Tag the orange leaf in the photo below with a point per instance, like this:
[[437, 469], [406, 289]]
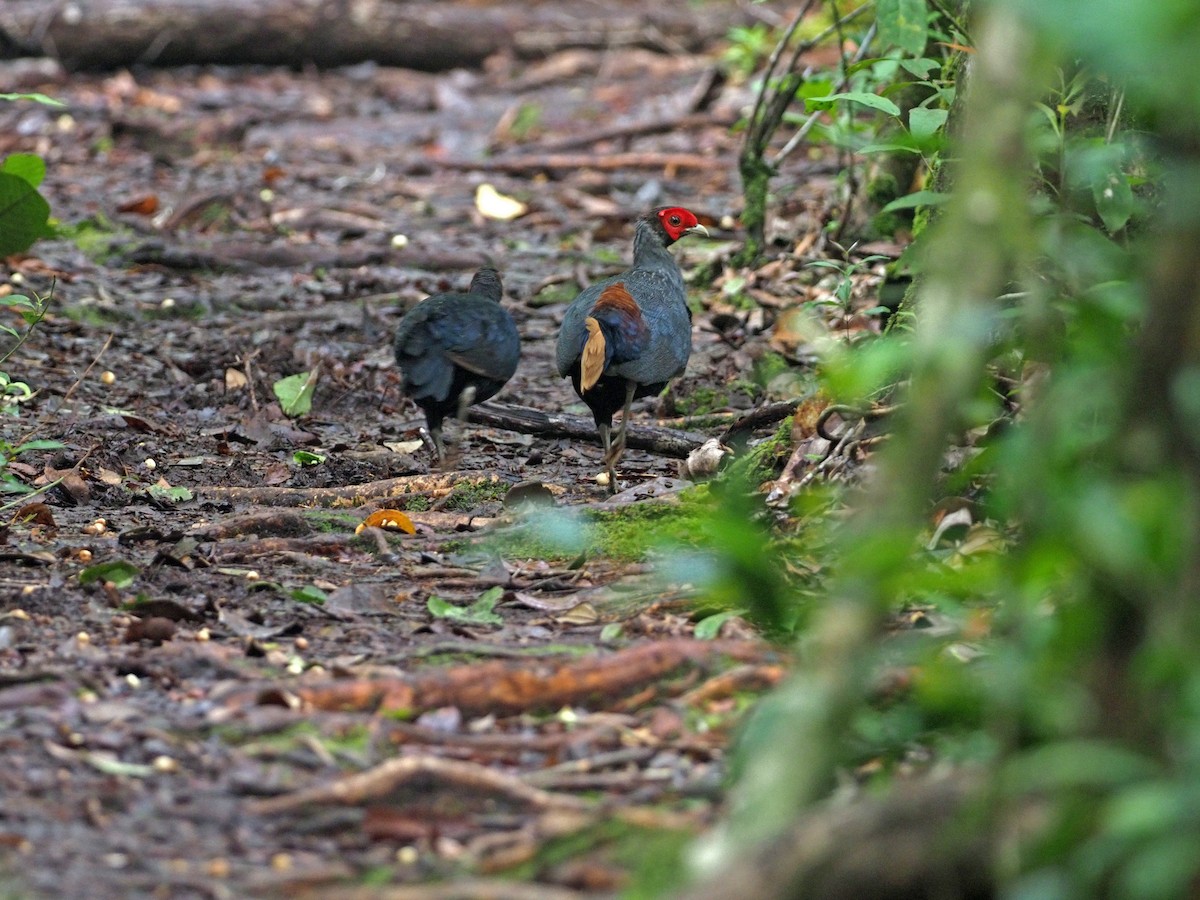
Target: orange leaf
[[391, 519], [143, 206]]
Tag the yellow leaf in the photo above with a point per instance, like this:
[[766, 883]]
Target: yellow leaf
[[494, 205], [389, 519]]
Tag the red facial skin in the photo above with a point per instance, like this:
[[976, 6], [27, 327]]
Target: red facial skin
[[676, 221]]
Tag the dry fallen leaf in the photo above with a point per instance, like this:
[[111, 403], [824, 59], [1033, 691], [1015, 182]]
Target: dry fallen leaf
[[494, 205], [389, 519]]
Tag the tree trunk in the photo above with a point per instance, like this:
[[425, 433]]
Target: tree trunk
[[418, 34]]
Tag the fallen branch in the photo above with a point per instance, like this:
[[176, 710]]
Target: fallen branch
[[418, 34], [524, 419], [351, 495], [506, 687]]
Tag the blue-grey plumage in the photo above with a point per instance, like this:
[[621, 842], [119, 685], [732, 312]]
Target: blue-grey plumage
[[456, 349], [626, 336]]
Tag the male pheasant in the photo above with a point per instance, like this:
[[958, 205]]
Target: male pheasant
[[626, 336]]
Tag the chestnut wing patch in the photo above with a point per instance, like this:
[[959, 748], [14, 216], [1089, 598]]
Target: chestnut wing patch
[[616, 298]]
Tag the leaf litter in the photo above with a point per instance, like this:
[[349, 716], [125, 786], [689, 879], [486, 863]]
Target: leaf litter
[[255, 596]]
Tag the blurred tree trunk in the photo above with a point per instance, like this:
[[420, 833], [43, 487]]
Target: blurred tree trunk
[[418, 34]]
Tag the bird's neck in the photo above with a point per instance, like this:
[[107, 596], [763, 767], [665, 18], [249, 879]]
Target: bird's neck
[[648, 249]]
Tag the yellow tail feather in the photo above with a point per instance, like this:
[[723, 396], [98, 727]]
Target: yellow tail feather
[[591, 361]]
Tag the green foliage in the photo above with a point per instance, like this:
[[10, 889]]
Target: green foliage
[[24, 212], [1051, 382], [748, 46]]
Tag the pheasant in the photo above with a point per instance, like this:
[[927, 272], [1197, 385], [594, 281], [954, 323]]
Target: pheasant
[[625, 337], [456, 349]]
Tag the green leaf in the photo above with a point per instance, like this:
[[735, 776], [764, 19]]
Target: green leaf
[[36, 97], [917, 198], [1114, 201], [919, 68], [308, 594], [295, 393], [24, 214], [865, 98], [307, 458], [25, 165], [888, 147], [924, 123], [709, 627], [903, 24], [172, 494], [478, 613], [40, 444], [117, 571]]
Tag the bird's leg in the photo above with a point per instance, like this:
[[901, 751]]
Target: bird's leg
[[619, 447], [614, 449], [435, 435], [465, 399]]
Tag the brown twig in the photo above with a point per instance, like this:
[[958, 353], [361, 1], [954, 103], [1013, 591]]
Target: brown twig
[[375, 784]]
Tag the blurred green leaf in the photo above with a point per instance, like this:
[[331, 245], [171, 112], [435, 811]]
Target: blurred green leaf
[[119, 572], [308, 458], [903, 23], [308, 594], [478, 613]]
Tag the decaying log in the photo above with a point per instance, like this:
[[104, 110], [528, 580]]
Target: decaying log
[[420, 34], [526, 420]]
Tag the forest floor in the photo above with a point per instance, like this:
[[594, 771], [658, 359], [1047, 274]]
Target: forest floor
[[199, 647]]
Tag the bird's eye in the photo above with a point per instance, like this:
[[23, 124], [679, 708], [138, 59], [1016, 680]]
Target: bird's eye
[[675, 220]]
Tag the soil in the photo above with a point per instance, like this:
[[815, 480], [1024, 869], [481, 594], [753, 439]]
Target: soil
[[192, 632]]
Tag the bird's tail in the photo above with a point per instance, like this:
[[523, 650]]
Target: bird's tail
[[594, 356]]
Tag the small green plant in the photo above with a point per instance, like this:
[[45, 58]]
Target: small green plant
[[748, 46], [847, 272]]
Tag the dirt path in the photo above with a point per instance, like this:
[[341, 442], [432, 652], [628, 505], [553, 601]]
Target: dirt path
[[161, 718]]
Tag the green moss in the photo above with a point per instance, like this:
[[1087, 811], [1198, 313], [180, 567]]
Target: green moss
[[468, 495], [98, 237], [701, 400], [330, 521], [564, 292], [417, 504], [625, 533]]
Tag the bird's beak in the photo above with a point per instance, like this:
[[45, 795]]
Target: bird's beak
[[697, 229]]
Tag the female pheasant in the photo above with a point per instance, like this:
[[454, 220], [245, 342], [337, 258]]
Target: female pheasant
[[456, 349]]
